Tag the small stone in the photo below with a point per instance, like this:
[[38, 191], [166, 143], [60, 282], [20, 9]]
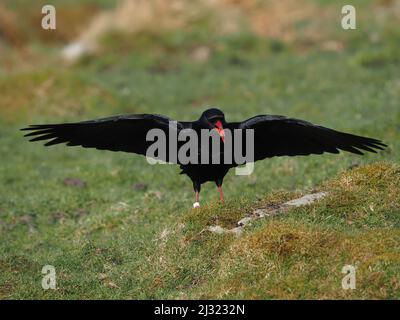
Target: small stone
[[140, 186], [216, 229], [102, 276], [305, 200], [201, 54], [74, 182], [112, 284], [244, 221]]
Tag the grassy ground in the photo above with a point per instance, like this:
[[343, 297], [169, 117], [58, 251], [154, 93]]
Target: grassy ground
[[115, 227]]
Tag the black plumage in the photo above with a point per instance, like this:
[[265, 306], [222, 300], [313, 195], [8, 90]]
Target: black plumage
[[273, 136]]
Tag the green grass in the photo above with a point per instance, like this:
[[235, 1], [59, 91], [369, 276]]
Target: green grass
[[109, 239]]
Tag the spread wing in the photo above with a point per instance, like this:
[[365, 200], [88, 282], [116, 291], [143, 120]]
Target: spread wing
[[281, 136], [120, 133]]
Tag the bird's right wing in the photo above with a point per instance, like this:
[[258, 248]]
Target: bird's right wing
[[120, 133], [281, 136]]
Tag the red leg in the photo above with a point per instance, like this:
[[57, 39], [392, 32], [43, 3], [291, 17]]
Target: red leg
[[196, 187], [221, 194], [196, 204]]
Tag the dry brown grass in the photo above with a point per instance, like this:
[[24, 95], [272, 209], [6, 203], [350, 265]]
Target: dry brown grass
[[71, 20], [287, 261], [287, 20], [10, 30], [294, 259], [156, 16], [18, 28], [280, 19], [301, 21]]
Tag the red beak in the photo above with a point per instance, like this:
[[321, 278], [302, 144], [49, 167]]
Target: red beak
[[220, 130]]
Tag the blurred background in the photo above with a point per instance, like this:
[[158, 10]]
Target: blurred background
[[109, 56], [174, 57]]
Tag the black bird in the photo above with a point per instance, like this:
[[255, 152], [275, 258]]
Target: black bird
[[273, 136]]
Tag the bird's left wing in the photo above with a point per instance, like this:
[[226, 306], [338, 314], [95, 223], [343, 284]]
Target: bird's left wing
[[120, 133], [281, 136]]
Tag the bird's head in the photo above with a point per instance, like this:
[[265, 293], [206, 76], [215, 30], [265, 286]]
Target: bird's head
[[214, 118]]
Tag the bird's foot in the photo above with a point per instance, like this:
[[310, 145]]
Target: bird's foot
[[196, 205]]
